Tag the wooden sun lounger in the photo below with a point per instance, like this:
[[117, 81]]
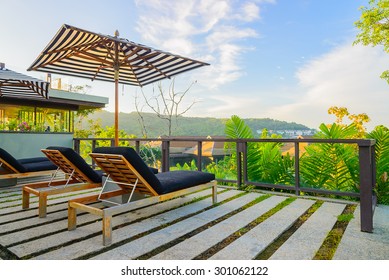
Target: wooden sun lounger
[[126, 176], [76, 180]]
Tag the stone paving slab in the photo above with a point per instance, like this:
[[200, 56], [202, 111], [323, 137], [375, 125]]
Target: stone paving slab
[[306, 241], [94, 244], [256, 240], [199, 243], [357, 245], [142, 230], [36, 227], [66, 236], [156, 239], [16, 206], [16, 213]]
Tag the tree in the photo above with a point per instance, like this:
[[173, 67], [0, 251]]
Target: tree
[[166, 104], [374, 27], [358, 120]]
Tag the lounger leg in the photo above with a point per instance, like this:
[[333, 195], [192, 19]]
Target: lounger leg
[[25, 199], [72, 218], [107, 230], [42, 206], [214, 194]]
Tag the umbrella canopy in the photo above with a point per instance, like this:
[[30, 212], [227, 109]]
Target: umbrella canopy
[[81, 53], [13, 84]]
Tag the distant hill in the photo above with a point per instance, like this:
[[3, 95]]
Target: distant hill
[[187, 126]]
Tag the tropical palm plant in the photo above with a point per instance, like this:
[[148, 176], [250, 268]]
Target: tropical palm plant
[[265, 162], [332, 166], [381, 135]]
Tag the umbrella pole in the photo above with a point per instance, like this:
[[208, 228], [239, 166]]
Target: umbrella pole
[[116, 68], [116, 109]]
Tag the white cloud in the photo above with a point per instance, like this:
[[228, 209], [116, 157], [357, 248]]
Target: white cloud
[[225, 105], [250, 11], [348, 76], [213, 31]]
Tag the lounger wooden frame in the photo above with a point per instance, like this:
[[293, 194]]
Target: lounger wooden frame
[[12, 173], [121, 170], [76, 180]]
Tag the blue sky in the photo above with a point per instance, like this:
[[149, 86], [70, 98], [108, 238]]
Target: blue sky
[[283, 59]]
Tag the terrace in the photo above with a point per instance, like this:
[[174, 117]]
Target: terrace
[[270, 222]]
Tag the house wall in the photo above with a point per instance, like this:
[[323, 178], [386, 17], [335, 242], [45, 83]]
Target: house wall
[[29, 144]]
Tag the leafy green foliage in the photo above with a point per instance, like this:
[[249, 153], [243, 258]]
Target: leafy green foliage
[[381, 135], [265, 162], [186, 126], [331, 166], [374, 27]]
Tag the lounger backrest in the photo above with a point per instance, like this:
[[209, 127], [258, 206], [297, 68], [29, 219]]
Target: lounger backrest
[[129, 166], [71, 162], [10, 163]]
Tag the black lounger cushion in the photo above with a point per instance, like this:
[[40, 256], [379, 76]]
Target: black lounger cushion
[[120, 151], [132, 156], [79, 162], [181, 179], [164, 182], [32, 160], [28, 164], [37, 164], [40, 166], [12, 161]]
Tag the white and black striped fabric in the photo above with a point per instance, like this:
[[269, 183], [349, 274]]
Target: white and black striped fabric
[[85, 54], [13, 84]]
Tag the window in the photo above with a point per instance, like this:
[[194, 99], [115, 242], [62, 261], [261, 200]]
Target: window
[[35, 119]]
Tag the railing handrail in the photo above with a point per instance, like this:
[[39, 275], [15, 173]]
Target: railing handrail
[[360, 142]]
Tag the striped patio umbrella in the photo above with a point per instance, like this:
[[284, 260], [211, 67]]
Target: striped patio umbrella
[[13, 84], [80, 53]]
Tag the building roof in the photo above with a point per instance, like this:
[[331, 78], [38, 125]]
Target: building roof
[[61, 99]]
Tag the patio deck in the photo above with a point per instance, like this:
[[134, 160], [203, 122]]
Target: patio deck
[[243, 225]]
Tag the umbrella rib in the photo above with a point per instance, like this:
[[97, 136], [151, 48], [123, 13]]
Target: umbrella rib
[[100, 67], [128, 63], [84, 45], [73, 52]]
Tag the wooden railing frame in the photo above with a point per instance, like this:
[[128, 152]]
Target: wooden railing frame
[[367, 166]]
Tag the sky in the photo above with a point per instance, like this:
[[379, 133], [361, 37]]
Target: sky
[[288, 60]]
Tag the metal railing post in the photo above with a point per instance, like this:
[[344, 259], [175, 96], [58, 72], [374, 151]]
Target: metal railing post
[[239, 153], [93, 147], [165, 155], [244, 158], [199, 155], [297, 167], [77, 145], [366, 165]]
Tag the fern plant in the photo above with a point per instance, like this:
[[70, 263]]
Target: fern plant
[[265, 162], [332, 166], [381, 135]]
